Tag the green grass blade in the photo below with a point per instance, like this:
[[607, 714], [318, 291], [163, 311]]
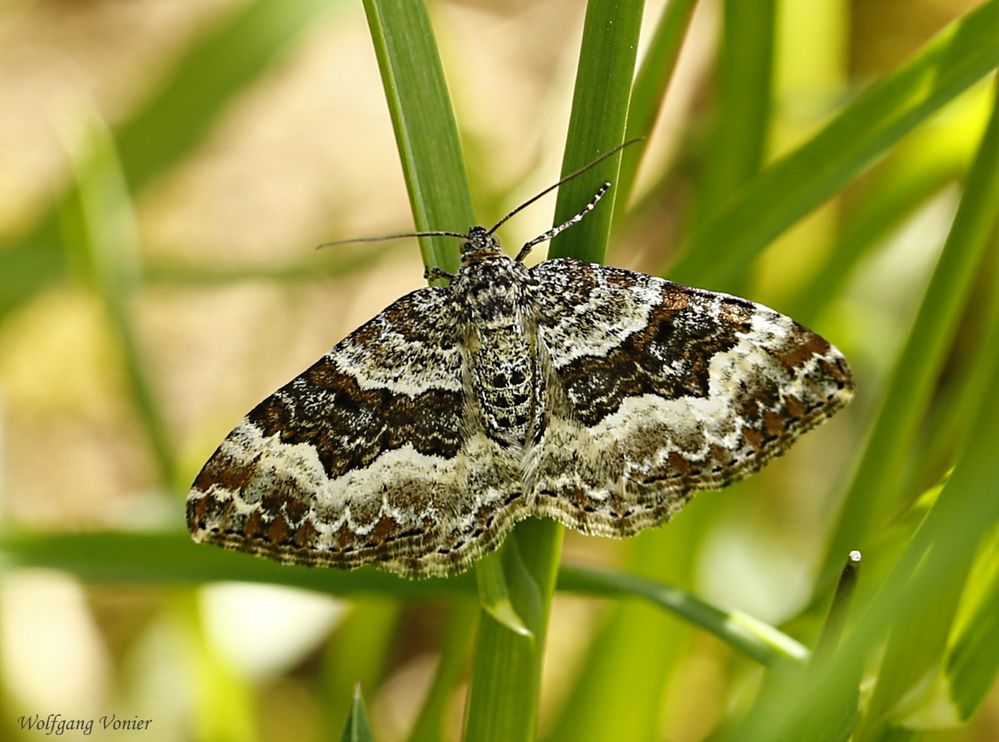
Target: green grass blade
[[311, 268], [424, 125], [435, 174], [941, 552], [738, 139], [167, 558], [219, 64], [916, 650], [973, 661], [357, 728], [102, 237], [934, 156], [208, 74], [864, 230], [874, 490], [651, 81], [357, 655], [506, 674], [749, 635], [224, 700], [457, 638], [171, 558], [494, 595], [598, 122], [720, 249], [638, 641], [506, 670], [836, 618]]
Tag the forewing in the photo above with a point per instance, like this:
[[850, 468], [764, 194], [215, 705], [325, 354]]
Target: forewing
[[370, 456], [658, 390]]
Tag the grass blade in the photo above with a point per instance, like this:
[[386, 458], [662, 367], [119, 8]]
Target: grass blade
[[506, 671], [875, 485], [457, 638], [738, 139], [170, 558], [506, 676], [166, 558], [637, 642], [222, 62], [102, 237], [599, 118], [649, 92], [494, 595], [784, 192], [357, 728], [915, 172], [424, 125], [973, 661], [940, 554], [357, 655], [754, 638]]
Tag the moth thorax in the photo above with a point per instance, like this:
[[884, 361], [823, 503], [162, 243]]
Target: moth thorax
[[493, 291]]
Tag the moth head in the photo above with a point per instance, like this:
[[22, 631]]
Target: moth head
[[480, 244]]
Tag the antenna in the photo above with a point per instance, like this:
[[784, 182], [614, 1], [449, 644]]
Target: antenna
[[567, 178], [575, 219], [401, 235], [465, 236]]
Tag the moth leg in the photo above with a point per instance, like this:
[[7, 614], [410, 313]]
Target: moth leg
[[433, 272]]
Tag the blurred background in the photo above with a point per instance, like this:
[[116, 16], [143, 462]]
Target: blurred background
[[235, 136]]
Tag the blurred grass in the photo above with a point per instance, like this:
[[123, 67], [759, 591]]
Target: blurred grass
[[966, 510], [915, 607], [651, 81], [101, 238], [218, 64], [224, 698], [915, 171], [915, 646], [740, 227], [742, 115], [973, 654], [937, 611], [458, 627], [874, 492], [115, 557], [357, 655]]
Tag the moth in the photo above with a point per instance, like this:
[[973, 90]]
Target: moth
[[600, 397]]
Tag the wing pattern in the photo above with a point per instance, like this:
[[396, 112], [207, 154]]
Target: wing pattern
[[370, 455], [658, 390]]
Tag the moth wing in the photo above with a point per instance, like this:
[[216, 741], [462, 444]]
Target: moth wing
[[368, 457], [657, 390]]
